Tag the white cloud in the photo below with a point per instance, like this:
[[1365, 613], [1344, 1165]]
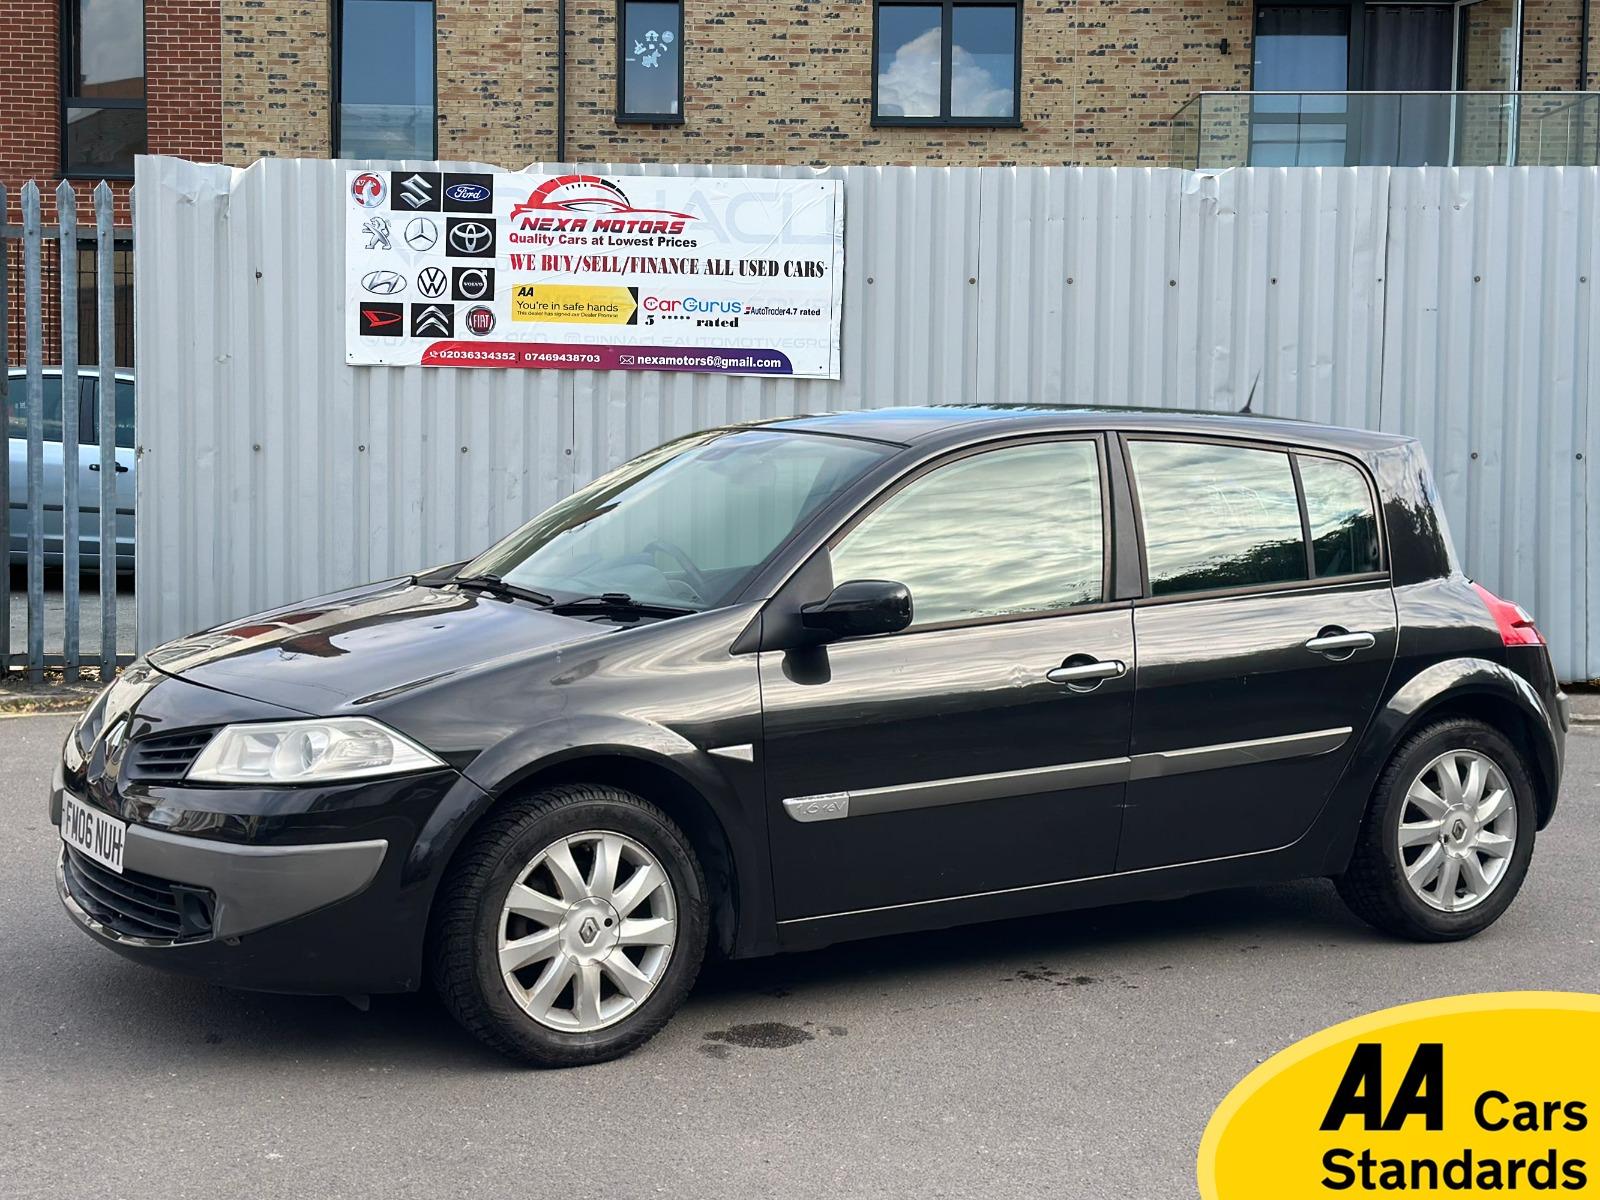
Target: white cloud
[[113, 46], [910, 85]]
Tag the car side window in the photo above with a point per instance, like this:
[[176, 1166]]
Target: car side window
[[999, 533], [1344, 529], [1217, 516], [17, 404]]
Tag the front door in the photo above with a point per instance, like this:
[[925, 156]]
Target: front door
[[968, 753], [1260, 660]]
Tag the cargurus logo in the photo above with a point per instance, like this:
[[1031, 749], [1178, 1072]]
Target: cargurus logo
[[692, 304]]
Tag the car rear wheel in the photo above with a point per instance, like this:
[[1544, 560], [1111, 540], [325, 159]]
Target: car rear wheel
[[571, 928], [1447, 837]]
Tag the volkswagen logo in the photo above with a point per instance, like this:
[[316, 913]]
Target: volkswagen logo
[[421, 234], [470, 237], [431, 282], [480, 319], [383, 283]]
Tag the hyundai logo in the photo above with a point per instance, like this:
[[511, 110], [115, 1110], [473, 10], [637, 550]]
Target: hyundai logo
[[470, 237], [467, 193], [422, 234], [383, 283]]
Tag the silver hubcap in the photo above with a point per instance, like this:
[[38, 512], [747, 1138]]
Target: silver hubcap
[[586, 931], [1458, 828]]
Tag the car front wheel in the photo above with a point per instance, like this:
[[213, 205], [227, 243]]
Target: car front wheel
[[571, 927], [1447, 837]]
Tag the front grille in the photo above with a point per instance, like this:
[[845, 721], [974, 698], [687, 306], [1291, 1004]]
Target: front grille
[[165, 757], [137, 905]]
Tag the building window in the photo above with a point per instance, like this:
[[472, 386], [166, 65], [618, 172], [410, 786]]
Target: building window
[[955, 63], [650, 61], [385, 83], [102, 87]]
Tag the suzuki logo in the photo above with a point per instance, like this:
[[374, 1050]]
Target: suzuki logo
[[470, 237], [588, 930], [422, 234], [417, 191]]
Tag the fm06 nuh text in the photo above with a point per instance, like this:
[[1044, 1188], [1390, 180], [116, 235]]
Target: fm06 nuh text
[[1420, 1099]]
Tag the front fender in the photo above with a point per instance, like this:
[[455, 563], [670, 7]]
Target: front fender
[[1429, 690]]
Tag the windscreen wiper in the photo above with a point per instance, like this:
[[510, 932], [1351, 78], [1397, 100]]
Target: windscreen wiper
[[618, 604], [496, 586]]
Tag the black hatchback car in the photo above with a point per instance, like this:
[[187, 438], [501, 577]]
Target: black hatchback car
[[777, 685]]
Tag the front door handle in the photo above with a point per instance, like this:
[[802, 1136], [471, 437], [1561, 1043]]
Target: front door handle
[[121, 470], [1086, 676], [1341, 644]]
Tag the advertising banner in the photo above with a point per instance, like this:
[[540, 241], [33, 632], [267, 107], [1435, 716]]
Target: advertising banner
[[584, 272]]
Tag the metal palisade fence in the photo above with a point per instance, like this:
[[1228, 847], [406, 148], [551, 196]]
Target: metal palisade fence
[[28, 525]]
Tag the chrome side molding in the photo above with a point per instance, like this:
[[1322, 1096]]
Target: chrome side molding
[[966, 789]]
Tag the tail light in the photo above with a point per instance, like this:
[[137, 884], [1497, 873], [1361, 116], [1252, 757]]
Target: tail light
[[1516, 626]]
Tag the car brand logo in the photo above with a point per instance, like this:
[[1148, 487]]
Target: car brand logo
[[368, 190], [377, 231], [588, 929], [470, 238], [433, 320], [421, 234], [383, 283], [432, 282], [474, 283], [112, 738], [467, 193], [418, 190], [588, 194], [480, 320], [383, 320]]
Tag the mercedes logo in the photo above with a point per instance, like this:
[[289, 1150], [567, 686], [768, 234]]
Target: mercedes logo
[[431, 282], [422, 234], [470, 237], [383, 283]]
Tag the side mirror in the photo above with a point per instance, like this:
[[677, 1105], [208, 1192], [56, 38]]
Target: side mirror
[[859, 607]]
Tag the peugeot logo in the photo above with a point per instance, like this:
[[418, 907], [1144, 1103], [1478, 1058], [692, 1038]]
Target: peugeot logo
[[417, 191], [467, 193], [432, 319], [422, 234], [470, 237], [588, 930], [432, 282], [383, 283]]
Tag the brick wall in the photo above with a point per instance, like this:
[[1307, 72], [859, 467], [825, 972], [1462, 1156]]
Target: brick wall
[[275, 73]]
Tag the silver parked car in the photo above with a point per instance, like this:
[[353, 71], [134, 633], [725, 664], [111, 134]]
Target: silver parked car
[[86, 411]]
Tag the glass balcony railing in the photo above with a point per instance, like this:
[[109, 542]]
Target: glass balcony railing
[[1406, 129]]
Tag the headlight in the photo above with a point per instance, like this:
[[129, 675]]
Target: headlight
[[72, 751], [308, 752]]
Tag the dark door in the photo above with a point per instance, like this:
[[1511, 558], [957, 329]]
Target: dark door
[[968, 753], [1260, 661]]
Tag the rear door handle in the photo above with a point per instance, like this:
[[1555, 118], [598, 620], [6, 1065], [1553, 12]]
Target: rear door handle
[[1341, 643], [121, 470], [1091, 674]]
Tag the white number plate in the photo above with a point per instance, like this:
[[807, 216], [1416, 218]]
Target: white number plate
[[91, 832]]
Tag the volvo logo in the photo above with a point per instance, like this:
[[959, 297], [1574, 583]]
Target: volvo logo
[[383, 283], [431, 282], [467, 193], [422, 234], [588, 930], [474, 283], [470, 237], [417, 191]]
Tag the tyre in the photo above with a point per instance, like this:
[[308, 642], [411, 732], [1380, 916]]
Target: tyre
[[1447, 836], [571, 927]]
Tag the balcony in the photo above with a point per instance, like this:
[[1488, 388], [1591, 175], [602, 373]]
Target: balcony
[[1407, 129]]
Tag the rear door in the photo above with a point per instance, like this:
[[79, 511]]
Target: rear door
[[89, 470], [983, 748], [1265, 636]]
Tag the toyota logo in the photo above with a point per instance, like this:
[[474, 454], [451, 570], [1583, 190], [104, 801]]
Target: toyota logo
[[470, 237], [383, 283], [431, 282], [422, 234]]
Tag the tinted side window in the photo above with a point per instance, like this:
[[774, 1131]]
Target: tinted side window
[[1217, 516], [1007, 531], [124, 414], [17, 403], [1344, 531]]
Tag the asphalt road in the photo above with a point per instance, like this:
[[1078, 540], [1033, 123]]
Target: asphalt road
[[1077, 1055]]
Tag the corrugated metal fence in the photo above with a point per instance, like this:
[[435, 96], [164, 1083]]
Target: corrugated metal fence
[[52, 511], [1454, 304]]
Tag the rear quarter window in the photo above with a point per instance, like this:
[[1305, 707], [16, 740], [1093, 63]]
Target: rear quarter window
[[1344, 527], [1217, 516]]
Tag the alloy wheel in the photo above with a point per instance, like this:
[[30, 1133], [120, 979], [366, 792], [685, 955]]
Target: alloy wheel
[[586, 931], [1458, 829]]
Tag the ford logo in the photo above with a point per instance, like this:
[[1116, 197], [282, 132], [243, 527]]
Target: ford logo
[[467, 193]]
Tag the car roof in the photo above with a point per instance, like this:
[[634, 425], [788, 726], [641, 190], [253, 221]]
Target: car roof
[[957, 423], [89, 372]]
